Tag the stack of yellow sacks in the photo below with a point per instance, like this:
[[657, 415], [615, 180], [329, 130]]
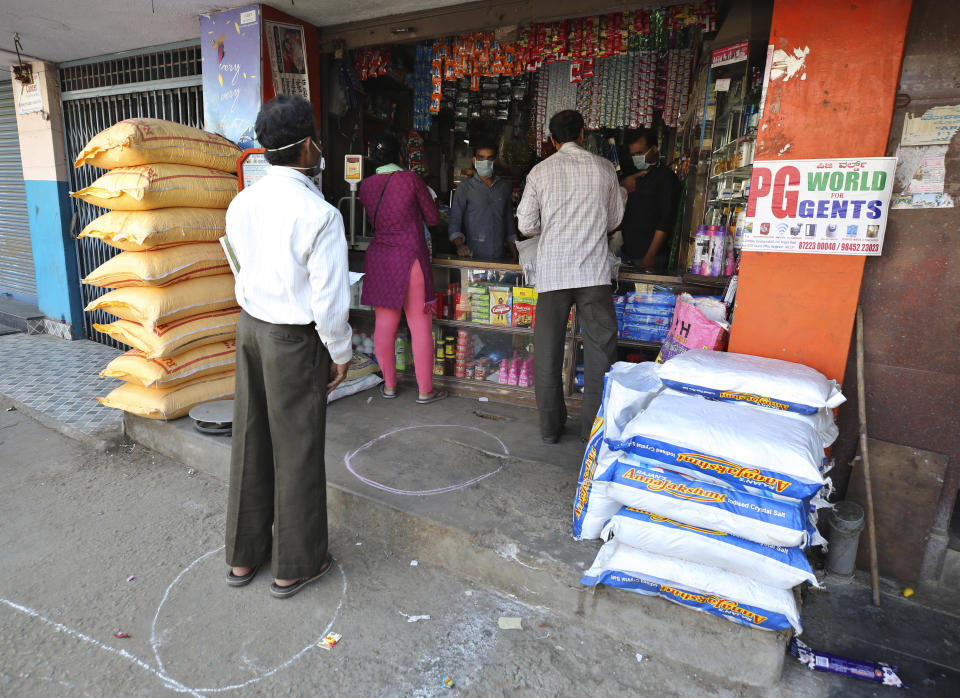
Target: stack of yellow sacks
[[168, 187]]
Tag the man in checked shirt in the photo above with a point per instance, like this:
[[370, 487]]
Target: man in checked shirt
[[571, 200]]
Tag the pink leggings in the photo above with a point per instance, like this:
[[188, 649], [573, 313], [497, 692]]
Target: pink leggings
[[421, 335]]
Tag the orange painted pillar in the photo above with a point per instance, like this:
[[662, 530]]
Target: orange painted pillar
[[801, 307]]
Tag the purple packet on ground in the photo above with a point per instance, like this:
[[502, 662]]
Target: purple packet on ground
[[877, 672]]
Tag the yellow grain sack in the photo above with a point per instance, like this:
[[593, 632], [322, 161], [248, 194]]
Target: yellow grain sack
[[176, 337], [161, 267], [146, 141], [134, 366], [135, 231], [146, 187], [170, 403], [151, 305]]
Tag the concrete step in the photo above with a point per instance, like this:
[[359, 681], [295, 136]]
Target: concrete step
[[502, 517], [950, 575], [15, 315]]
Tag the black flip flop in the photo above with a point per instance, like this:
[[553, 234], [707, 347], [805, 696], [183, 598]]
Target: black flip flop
[[436, 397], [235, 581], [385, 395], [280, 592]]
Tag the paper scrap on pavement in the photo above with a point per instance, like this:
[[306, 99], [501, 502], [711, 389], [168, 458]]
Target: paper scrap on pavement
[[330, 640], [414, 563], [510, 623]]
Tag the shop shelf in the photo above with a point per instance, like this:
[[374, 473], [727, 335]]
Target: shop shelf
[[743, 172], [468, 383], [482, 327], [632, 343]]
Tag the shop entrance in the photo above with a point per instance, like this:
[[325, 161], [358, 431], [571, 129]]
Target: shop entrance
[[162, 83]]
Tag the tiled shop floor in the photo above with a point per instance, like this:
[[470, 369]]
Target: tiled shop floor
[[60, 379]]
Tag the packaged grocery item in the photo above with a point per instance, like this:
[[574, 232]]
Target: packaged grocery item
[[500, 305], [751, 450], [177, 336], [160, 185], [199, 362], [524, 306], [135, 231], [770, 383], [702, 588], [776, 566], [144, 141], [170, 403], [153, 305], [160, 267], [693, 328]]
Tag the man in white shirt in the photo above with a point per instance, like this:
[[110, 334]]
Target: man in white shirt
[[289, 254], [571, 200]]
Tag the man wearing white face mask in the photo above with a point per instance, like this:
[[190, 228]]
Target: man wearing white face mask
[[288, 253], [481, 219], [653, 191]]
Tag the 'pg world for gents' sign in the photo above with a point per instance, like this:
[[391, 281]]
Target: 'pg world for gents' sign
[[836, 206]]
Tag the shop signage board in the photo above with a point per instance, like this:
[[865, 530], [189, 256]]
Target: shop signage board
[[730, 54], [819, 206], [31, 101]]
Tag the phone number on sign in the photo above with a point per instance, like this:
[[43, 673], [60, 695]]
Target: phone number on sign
[[842, 246]]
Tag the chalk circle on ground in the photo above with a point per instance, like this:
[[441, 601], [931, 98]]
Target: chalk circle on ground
[[155, 642], [348, 461]]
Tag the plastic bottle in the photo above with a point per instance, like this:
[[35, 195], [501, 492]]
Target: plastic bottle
[[504, 376], [400, 350], [513, 376], [729, 255], [698, 249], [717, 244], [707, 250]]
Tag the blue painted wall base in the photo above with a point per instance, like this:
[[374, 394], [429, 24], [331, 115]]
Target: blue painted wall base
[[54, 253]]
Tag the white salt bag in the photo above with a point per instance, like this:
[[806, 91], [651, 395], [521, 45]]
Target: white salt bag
[[709, 589], [771, 383], [754, 449], [776, 566]]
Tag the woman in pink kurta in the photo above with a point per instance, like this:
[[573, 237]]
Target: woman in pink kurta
[[397, 266]]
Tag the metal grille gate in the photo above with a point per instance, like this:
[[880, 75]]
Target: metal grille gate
[[162, 84]]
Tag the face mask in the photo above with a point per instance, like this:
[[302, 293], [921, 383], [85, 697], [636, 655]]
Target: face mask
[[484, 168], [640, 161], [311, 172]]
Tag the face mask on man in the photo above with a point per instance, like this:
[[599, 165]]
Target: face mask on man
[[640, 160], [484, 168], [311, 172]]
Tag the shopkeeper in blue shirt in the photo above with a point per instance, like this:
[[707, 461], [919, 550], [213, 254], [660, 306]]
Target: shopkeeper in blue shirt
[[481, 220]]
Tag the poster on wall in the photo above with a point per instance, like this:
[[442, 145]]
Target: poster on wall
[[288, 59], [230, 49], [820, 206]]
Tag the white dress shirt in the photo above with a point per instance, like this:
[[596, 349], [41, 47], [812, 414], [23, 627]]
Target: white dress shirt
[[292, 256], [571, 200]]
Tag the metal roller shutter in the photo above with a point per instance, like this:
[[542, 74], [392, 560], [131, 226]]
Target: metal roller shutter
[[17, 278]]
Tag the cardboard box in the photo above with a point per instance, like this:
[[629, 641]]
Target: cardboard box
[[500, 305]]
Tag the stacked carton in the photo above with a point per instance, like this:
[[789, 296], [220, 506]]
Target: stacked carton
[[167, 188]]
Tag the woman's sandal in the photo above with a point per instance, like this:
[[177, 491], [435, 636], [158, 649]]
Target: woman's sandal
[[436, 397], [385, 395]]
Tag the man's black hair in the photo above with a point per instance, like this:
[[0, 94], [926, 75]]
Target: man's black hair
[[634, 135], [284, 120], [385, 150], [483, 144], [566, 125]]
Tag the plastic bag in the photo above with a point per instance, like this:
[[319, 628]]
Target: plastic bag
[[693, 329], [758, 518], [770, 383], [702, 588], [751, 450], [776, 566]]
